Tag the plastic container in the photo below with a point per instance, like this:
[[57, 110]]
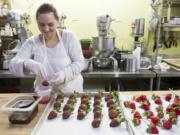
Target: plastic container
[[21, 109]]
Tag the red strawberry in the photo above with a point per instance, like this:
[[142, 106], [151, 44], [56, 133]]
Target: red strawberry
[[158, 101], [148, 114], [137, 115], [145, 107], [132, 105], [169, 109], [167, 124], [136, 121], [45, 99], [152, 129], [45, 83], [173, 120], [168, 97], [177, 110], [155, 120]]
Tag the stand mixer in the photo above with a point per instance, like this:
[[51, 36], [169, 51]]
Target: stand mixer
[[103, 44]]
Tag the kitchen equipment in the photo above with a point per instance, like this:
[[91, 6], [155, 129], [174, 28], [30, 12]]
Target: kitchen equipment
[[21, 109], [103, 45]]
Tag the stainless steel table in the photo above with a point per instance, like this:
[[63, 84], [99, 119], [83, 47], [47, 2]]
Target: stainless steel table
[[121, 74], [169, 73], [100, 74]]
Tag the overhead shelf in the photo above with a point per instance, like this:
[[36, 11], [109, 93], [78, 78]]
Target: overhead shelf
[[174, 3], [171, 27]]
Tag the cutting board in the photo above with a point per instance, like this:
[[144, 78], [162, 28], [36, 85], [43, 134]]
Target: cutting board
[[173, 62]]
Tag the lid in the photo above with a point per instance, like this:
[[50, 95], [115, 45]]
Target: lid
[[21, 103]]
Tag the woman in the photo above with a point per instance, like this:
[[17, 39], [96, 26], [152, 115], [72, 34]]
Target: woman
[[54, 55]]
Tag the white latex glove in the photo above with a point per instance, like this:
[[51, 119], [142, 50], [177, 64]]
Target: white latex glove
[[57, 79], [35, 67]]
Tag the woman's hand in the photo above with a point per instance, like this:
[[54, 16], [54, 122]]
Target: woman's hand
[[57, 79], [35, 67]]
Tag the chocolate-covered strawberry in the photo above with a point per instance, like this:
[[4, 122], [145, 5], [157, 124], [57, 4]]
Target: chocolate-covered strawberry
[[66, 114], [96, 102], [96, 123], [97, 114], [97, 108], [110, 102], [81, 115], [52, 115], [108, 96], [113, 114], [71, 101], [116, 121], [68, 107], [57, 106]]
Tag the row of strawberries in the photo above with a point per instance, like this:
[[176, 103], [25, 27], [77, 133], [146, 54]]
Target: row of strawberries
[[173, 111]]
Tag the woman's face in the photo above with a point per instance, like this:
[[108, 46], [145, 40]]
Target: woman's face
[[47, 24]]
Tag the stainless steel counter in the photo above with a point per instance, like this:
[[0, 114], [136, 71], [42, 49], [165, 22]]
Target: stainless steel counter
[[169, 73], [106, 74], [118, 74], [96, 74]]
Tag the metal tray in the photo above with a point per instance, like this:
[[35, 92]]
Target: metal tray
[[74, 126]]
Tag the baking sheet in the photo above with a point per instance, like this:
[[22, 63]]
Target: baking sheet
[[141, 129], [72, 126]]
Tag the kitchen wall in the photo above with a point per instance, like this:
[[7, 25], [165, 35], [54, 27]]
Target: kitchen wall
[[81, 17]]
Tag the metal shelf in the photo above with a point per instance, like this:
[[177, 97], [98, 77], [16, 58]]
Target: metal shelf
[[171, 27], [174, 3]]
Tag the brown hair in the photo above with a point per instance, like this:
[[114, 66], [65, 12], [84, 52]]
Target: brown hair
[[47, 8]]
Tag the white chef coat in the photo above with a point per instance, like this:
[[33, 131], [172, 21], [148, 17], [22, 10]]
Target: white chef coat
[[66, 56]]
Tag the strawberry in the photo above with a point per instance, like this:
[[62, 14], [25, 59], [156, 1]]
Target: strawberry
[[169, 109], [136, 121], [81, 115], [96, 123], [152, 129], [126, 103], [168, 97], [158, 101], [113, 114], [167, 124], [45, 83], [173, 120], [155, 97], [148, 114], [155, 120], [52, 115], [145, 107], [137, 115], [177, 110], [45, 99], [132, 105], [159, 108], [160, 114], [141, 98]]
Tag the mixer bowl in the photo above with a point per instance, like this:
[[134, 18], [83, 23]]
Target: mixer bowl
[[105, 44]]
